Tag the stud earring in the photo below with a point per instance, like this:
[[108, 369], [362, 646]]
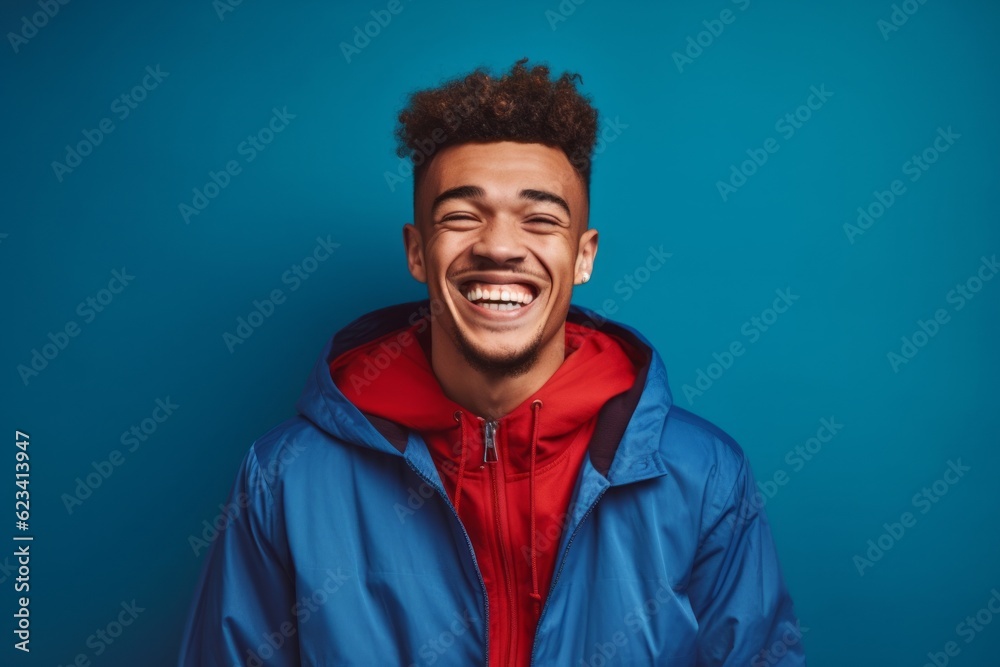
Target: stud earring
[[586, 276]]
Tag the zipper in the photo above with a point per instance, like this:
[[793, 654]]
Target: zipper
[[491, 456], [472, 551], [490, 439], [562, 564]]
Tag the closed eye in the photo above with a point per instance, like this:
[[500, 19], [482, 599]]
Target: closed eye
[[550, 221], [458, 216]]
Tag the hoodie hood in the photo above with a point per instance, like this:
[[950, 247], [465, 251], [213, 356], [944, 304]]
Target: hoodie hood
[[393, 380], [384, 341]]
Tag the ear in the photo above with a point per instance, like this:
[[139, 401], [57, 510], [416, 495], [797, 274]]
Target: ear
[[414, 252], [585, 256]]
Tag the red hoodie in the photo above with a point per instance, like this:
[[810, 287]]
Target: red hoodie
[[514, 505]]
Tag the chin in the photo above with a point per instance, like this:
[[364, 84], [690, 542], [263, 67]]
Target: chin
[[508, 362]]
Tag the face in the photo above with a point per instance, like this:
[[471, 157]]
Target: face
[[500, 238]]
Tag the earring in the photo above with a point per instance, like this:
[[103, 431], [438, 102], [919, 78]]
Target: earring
[[586, 276]]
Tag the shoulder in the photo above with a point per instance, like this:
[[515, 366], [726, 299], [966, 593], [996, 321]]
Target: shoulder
[[690, 435], [706, 456], [292, 447]]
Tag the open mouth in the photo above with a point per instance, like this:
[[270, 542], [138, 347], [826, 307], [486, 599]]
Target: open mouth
[[499, 297]]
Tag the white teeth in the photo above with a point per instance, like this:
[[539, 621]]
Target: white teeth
[[502, 299]]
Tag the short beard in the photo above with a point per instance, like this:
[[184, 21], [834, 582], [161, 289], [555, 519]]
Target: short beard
[[508, 367]]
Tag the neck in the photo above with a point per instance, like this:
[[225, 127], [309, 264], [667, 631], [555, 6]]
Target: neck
[[485, 394]]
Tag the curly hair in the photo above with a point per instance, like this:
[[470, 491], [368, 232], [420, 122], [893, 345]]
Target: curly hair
[[524, 105]]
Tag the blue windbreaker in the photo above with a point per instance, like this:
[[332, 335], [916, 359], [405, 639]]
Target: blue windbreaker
[[339, 545]]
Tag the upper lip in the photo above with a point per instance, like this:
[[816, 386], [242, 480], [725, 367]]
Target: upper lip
[[501, 279]]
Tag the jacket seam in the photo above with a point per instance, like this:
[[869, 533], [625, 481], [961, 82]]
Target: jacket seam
[[272, 510], [709, 527]]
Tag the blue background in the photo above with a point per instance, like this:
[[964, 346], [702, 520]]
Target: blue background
[[680, 129]]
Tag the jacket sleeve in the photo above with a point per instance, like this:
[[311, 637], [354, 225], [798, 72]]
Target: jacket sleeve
[[243, 608], [736, 589]]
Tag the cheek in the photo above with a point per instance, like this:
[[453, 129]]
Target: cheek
[[559, 259], [441, 252]]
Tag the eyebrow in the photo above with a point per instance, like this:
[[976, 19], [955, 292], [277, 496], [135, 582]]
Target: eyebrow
[[476, 192], [544, 196]]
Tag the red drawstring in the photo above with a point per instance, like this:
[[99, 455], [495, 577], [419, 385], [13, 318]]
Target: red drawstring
[[535, 595], [461, 464]]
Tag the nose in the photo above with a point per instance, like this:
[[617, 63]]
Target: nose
[[501, 241]]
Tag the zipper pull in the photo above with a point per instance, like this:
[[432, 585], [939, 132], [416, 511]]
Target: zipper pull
[[490, 439]]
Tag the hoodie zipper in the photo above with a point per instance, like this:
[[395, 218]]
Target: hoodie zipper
[[491, 456], [489, 439]]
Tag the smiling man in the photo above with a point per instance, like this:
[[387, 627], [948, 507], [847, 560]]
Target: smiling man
[[484, 476]]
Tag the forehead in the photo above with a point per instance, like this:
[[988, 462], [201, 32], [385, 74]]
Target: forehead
[[501, 169]]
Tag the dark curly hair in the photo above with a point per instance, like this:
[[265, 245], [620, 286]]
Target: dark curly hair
[[524, 105]]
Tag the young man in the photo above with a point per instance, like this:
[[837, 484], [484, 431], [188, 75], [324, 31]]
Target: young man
[[486, 476]]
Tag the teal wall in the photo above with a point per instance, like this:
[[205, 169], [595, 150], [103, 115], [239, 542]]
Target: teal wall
[[758, 209]]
